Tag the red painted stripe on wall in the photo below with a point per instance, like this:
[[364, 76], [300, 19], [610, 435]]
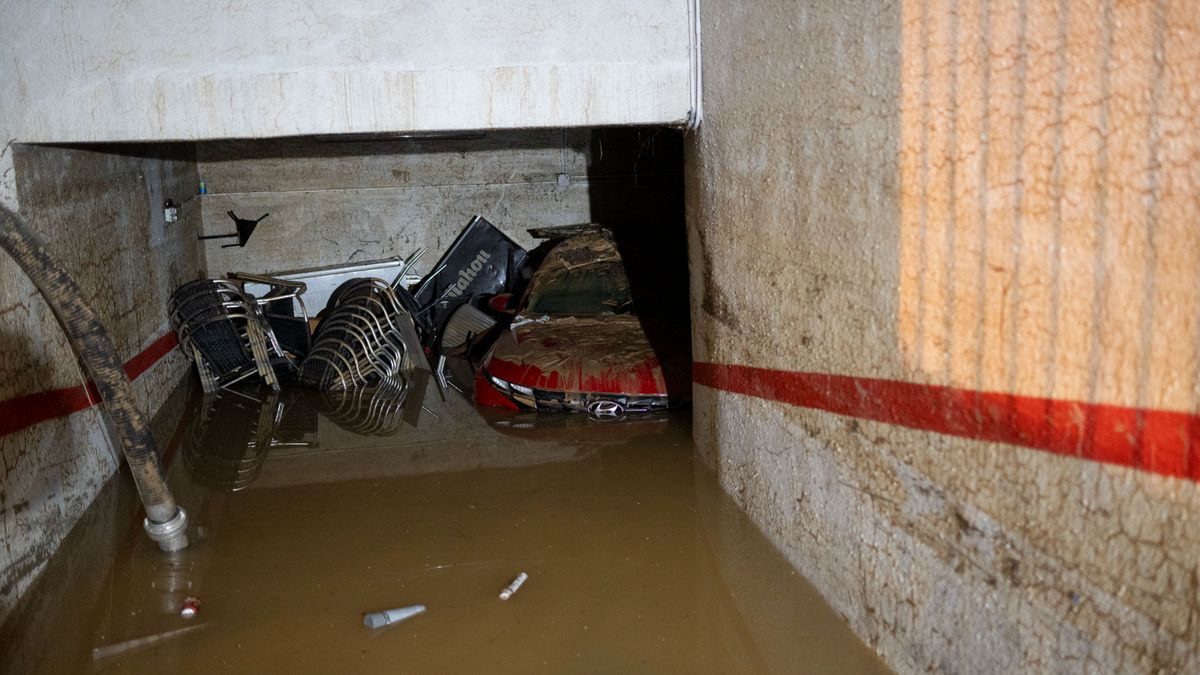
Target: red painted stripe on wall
[[149, 356], [25, 411], [1158, 441]]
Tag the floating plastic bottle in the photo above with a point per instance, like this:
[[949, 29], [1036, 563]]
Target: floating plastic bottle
[[514, 586], [389, 616]]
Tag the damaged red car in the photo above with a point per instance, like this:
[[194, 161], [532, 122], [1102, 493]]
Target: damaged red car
[[576, 344]]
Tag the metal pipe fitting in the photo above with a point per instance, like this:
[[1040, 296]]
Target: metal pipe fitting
[[171, 535]]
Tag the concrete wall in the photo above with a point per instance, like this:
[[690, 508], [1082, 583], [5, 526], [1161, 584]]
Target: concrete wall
[[154, 70], [956, 242], [333, 202], [100, 211], [73, 586]]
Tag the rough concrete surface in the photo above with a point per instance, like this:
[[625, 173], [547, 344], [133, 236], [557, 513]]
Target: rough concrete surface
[[994, 197], [100, 211], [335, 202], [142, 70], [8, 176]]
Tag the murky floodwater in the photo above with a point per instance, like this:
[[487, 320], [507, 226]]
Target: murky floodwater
[[636, 561]]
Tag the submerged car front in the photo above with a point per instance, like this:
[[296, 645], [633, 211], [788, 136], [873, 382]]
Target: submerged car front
[[576, 345]]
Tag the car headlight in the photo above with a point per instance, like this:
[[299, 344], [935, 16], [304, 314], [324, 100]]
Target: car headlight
[[500, 384], [528, 391]]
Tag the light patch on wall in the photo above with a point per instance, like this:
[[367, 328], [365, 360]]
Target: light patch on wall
[[1049, 192]]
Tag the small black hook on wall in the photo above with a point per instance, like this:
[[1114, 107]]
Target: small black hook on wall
[[245, 228]]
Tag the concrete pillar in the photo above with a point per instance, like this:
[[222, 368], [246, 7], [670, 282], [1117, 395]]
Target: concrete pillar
[[947, 319]]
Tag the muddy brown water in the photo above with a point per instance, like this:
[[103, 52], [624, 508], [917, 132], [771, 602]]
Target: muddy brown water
[[637, 561]]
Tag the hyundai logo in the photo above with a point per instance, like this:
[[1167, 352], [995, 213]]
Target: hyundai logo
[[605, 409]]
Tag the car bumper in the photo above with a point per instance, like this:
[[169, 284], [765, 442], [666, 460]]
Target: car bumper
[[492, 390]]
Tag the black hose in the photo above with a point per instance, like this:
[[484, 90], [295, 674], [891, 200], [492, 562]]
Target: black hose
[[165, 522]]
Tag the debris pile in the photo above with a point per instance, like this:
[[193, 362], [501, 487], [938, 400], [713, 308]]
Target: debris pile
[[553, 329], [371, 335]]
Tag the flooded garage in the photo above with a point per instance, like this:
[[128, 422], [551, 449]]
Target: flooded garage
[[475, 458], [635, 335], [636, 561]]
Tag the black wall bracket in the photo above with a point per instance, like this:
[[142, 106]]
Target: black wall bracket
[[245, 228]]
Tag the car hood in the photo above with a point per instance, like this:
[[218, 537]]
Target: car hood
[[605, 354]]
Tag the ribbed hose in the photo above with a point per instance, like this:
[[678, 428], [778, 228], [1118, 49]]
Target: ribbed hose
[[165, 522]]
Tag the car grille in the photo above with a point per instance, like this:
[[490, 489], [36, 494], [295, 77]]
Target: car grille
[[602, 405], [558, 401]]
